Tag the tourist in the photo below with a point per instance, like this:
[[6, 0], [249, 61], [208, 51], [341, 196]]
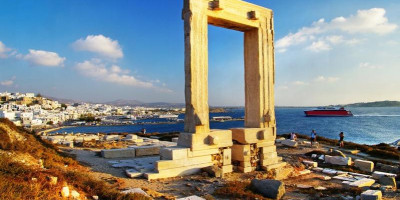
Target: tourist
[[341, 140], [313, 137], [293, 136]]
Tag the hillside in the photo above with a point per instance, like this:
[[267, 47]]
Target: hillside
[[34, 169], [123, 102], [375, 104]]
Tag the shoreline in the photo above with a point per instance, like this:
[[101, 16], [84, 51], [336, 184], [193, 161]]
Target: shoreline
[[157, 123]]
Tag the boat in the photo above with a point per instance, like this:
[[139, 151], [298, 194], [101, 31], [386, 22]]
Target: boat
[[328, 112], [222, 118], [168, 117]]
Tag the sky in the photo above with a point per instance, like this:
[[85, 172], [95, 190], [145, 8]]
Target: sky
[[326, 52]]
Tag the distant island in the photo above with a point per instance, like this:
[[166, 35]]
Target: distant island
[[374, 104]]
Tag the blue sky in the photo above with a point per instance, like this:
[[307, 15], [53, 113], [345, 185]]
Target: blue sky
[[327, 52]]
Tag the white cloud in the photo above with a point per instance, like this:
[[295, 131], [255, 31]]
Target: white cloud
[[300, 83], [335, 39], [366, 21], [100, 44], [4, 50], [326, 79], [282, 87], [304, 34], [98, 70], [318, 46], [43, 58], [372, 21], [8, 82], [366, 65]]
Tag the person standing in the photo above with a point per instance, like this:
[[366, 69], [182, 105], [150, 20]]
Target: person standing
[[313, 137], [341, 140], [293, 136]]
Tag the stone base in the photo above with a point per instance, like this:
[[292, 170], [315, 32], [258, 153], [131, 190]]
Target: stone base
[[274, 166], [203, 141], [181, 171], [193, 153], [253, 135], [255, 149]]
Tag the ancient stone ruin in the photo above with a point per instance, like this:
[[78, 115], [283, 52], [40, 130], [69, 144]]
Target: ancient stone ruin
[[247, 148]]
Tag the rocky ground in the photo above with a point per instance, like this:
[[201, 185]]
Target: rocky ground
[[300, 183]]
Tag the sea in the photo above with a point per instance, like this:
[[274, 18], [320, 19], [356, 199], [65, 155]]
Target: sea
[[369, 125]]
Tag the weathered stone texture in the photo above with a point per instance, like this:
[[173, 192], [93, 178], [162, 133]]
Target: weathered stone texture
[[118, 153], [273, 189], [364, 165], [371, 195]]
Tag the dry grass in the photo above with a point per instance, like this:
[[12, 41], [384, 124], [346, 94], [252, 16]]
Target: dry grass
[[19, 180]]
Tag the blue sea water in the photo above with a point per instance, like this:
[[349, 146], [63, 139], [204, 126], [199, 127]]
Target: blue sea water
[[367, 126]]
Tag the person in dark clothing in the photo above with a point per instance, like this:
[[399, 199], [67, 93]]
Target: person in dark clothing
[[341, 140]]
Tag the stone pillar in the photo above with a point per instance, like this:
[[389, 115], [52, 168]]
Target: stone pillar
[[196, 67], [259, 76]]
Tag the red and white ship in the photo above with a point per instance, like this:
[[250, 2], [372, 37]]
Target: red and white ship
[[328, 112]]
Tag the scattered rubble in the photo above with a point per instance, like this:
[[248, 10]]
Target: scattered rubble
[[193, 197], [371, 195], [135, 190], [65, 192], [385, 180], [365, 182], [378, 174], [338, 160], [364, 165], [273, 189], [289, 143]]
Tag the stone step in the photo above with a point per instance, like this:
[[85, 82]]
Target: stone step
[[269, 149], [274, 166], [181, 171], [174, 153], [270, 161], [147, 151], [271, 155], [246, 169], [169, 164]]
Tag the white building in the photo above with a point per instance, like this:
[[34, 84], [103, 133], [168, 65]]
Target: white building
[[30, 94], [7, 114]]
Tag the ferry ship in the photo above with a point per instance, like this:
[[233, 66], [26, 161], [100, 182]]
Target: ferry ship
[[328, 112]]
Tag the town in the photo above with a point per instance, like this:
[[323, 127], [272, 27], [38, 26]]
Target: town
[[34, 111]]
